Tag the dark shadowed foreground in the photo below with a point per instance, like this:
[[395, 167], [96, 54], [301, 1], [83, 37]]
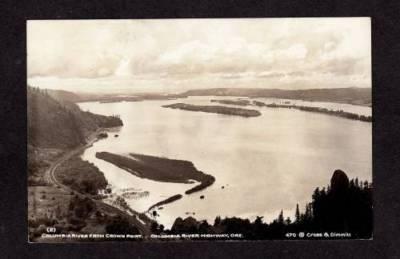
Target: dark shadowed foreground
[[342, 210]]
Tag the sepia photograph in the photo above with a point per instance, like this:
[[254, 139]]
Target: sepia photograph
[[157, 130]]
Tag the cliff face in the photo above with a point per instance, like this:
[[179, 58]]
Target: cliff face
[[57, 123]]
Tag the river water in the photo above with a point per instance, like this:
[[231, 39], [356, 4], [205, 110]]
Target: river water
[[261, 164]]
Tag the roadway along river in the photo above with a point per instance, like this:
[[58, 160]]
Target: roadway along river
[[261, 164]]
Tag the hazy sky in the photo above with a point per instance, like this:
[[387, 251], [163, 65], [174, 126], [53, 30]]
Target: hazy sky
[[179, 54]]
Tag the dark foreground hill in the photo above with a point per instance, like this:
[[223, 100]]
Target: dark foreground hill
[[54, 122]]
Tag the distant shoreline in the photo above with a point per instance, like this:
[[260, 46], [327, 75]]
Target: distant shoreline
[[360, 96]]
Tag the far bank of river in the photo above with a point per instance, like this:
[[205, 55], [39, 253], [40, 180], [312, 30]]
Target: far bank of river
[[261, 164]]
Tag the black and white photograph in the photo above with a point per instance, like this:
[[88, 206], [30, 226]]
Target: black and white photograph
[[160, 130]]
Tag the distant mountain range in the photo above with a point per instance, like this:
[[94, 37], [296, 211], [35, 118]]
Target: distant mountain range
[[351, 95]]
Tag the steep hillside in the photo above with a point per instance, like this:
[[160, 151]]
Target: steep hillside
[[59, 123]]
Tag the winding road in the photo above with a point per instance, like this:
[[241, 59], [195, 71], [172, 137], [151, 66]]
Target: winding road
[[50, 177]]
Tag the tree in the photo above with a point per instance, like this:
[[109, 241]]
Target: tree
[[308, 213], [258, 221], [120, 225], [217, 221], [297, 215], [316, 194], [280, 218]]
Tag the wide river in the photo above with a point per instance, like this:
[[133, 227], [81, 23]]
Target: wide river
[[261, 164]]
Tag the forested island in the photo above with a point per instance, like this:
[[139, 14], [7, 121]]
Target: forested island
[[166, 201], [215, 109], [338, 113], [159, 169]]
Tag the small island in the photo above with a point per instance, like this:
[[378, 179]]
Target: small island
[[339, 113], [160, 169], [166, 201], [215, 109]]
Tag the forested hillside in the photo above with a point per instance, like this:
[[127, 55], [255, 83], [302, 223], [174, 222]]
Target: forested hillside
[[57, 123]]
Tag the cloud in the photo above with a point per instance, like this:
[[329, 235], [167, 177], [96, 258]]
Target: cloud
[[271, 75], [210, 52]]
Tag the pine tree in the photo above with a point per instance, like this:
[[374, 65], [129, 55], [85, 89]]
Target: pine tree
[[217, 221], [280, 218], [308, 213], [297, 215], [316, 194]]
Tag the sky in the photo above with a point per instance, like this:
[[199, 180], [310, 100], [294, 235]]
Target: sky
[[175, 55]]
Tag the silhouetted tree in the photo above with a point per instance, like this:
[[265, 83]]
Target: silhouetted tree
[[344, 206], [297, 215], [217, 221], [280, 218]]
